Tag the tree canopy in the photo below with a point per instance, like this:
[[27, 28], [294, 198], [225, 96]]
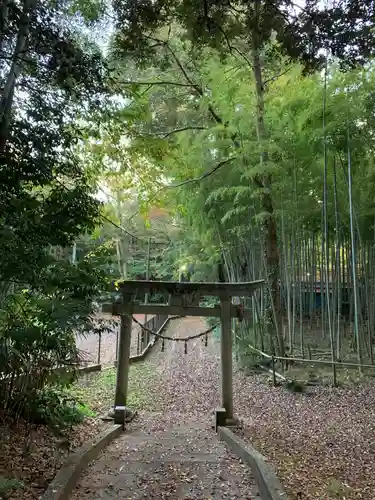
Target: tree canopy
[[201, 133], [302, 31]]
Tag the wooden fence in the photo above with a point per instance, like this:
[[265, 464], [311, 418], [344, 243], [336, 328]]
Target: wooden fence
[[288, 360]]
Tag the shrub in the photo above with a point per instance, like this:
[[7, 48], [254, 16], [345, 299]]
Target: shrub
[[38, 329], [55, 408], [295, 386], [7, 486]]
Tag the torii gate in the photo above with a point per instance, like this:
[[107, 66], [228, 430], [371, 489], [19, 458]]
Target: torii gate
[[225, 310]]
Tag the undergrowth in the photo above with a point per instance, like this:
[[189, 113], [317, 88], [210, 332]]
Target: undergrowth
[[97, 389], [8, 486], [60, 407], [54, 407]]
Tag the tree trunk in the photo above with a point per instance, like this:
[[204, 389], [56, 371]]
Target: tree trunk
[[4, 11], [122, 252], [7, 97], [357, 333], [274, 316]]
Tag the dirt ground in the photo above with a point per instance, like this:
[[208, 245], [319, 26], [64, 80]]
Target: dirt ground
[[321, 443], [170, 450]]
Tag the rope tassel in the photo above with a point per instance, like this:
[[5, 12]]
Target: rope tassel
[[185, 346], [206, 340], [162, 345]]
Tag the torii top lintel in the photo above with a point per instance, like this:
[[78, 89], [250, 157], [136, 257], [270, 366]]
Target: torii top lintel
[[177, 287]]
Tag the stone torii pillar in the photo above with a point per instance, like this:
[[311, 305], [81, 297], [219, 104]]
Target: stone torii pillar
[[123, 358], [226, 357]]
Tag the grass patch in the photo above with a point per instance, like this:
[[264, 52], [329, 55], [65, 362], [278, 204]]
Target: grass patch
[[7, 486], [295, 386], [336, 489], [96, 391]]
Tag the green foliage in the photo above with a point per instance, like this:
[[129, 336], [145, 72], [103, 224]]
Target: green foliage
[[39, 328], [206, 112], [7, 486], [54, 408], [90, 10], [46, 197], [301, 35], [295, 386], [229, 198], [47, 89]]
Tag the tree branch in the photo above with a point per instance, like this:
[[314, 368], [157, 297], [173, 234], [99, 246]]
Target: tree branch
[[273, 78], [182, 129], [102, 216], [198, 89], [231, 47], [203, 176], [234, 68], [183, 70], [188, 181], [152, 84]]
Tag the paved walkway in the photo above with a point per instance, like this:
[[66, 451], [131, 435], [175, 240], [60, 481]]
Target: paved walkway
[[170, 451]]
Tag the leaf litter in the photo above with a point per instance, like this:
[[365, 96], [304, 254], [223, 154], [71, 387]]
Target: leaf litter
[[171, 450], [31, 455], [320, 443]]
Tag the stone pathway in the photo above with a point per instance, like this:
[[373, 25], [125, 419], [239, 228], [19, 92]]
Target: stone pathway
[[170, 451], [181, 463]]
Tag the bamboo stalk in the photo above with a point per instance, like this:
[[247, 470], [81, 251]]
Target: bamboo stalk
[[354, 268]]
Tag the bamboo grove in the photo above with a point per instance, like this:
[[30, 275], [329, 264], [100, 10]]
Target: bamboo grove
[[259, 156], [197, 152]]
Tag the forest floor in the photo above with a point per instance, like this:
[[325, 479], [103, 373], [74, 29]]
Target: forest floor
[[31, 455], [170, 450], [320, 442]]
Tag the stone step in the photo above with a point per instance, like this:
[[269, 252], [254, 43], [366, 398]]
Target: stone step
[[184, 462]]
